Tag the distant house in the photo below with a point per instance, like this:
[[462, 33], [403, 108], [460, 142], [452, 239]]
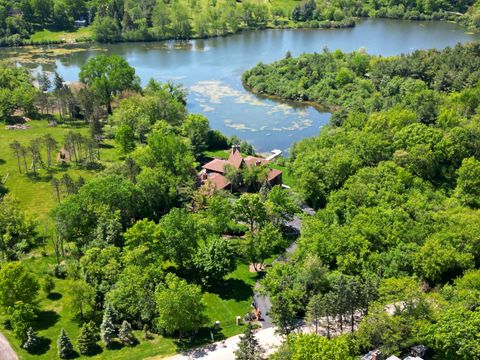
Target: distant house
[[215, 170], [80, 23]]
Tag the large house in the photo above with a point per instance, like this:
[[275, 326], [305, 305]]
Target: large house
[[215, 170]]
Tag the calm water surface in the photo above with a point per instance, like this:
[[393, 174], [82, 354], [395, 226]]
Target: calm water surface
[[211, 70]]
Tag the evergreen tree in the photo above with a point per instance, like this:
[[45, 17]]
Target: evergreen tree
[[125, 334], [87, 340], [315, 310], [64, 345], [33, 341], [107, 328], [284, 313], [249, 347]]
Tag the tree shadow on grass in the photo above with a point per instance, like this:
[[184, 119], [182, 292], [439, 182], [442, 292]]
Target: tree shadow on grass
[[234, 289], [46, 319], [36, 177], [115, 345], [95, 350], [202, 338], [54, 296], [2, 161], [42, 348], [105, 146]]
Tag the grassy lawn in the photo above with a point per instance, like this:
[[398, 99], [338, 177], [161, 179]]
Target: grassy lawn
[[36, 193], [286, 5], [224, 304], [56, 313], [232, 299], [80, 34], [287, 178]]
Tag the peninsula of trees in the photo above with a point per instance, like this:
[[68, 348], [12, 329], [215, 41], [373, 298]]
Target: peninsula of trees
[[395, 180]]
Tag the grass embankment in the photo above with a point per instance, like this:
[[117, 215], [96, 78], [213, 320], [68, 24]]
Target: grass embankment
[[77, 35]]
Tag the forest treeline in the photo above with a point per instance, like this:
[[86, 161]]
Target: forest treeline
[[128, 20], [394, 177]]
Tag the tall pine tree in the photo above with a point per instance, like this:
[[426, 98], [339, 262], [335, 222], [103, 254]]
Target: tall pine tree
[[249, 347], [64, 345], [315, 310], [107, 328], [87, 340]]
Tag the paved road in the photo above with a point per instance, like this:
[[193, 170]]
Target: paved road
[[225, 350], [6, 351], [262, 301]]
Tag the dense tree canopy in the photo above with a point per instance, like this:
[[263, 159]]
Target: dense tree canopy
[[107, 76], [394, 180]]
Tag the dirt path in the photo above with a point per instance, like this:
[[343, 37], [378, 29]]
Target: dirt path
[[6, 351]]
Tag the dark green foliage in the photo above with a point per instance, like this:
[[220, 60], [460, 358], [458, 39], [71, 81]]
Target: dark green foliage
[[180, 306], [17, 284], [249, 348], [22, 319], [48, 285], [107, 76], [214, 260], [87, 339], [64, 345], [361, 81], [77, 216], [17, 230], [133, 298]]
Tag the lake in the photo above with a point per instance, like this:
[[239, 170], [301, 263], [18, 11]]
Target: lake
[[211, 70]]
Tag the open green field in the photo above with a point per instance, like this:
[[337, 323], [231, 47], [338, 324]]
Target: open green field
[[81, 34], [35, 193]]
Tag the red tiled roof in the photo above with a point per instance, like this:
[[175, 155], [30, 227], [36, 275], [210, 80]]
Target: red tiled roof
[[216, 165], [220, 181], [252, 160], [273, 174], [235, 158]]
